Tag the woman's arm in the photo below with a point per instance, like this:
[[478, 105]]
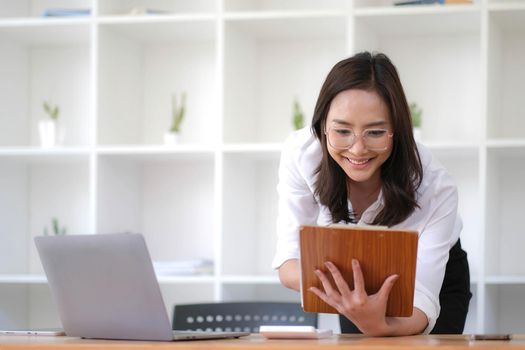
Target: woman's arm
[[367, 312], [289, 274]]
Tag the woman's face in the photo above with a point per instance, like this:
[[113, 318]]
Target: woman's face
[[352, 112]]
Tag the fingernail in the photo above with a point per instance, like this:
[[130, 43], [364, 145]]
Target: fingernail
[[354, 262], [328, 264]]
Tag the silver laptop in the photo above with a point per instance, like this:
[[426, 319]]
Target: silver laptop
[[105, 287]]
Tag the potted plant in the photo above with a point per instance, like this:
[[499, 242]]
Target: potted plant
[[177, 116], [298, 116], [57, 231], [416, 114], [50, 134]]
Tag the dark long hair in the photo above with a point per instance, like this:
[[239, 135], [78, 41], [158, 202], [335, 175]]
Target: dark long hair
[[402, 172]]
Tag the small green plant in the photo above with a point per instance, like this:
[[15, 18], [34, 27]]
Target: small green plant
[[298, 116], [177, 112], [416, 115], [57, 231], [52, 111]]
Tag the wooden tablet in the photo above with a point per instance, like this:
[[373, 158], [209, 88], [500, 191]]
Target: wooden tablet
[[381, 252]]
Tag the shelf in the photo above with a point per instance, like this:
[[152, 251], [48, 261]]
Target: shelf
[[166, 8], [30, 154], [280, 15], [504, 280], [252, 148], [167, 199], [504, 308], [148, 30], [506, 50], [46, 32], [22, 279], [294, 54], [509, 5], [164, 280], [34, 192], [445, 56], [25, 9], [250, 279], [264, 6], [158, 153], [41, 279], [250, 209], [421, 20], [259, 292], [503, 220], [44, 63], [508, 148], [141, 67]]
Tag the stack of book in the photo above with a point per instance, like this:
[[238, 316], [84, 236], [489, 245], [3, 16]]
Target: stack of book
[[427, 2], [65, 12]]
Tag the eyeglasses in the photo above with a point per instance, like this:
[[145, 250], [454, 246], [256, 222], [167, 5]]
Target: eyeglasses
[[373, 139]]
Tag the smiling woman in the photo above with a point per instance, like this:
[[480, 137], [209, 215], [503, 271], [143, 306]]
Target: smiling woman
[[359, 164]]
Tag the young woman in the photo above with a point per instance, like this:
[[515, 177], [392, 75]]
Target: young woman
[[359, 164]]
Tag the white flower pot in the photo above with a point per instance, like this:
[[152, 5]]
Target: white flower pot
[[171, 138], [48, 131]]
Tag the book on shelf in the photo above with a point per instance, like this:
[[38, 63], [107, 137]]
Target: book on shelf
[[140, 10], [66, 12], [428, 2]]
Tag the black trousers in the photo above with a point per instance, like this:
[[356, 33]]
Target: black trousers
[[454, 296]]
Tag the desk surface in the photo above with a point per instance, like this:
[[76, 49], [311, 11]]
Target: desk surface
[[354, 342]]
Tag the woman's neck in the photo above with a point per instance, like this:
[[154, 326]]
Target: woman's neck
[[363, 194]]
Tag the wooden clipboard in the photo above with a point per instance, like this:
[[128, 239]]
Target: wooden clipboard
[[381, 252]]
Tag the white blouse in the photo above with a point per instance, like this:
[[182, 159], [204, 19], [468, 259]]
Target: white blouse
[[437, 219]]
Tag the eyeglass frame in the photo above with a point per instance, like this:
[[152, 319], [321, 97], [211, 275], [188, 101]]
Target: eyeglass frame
[[356, 135]]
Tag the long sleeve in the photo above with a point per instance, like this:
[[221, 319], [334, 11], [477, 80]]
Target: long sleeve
[[297, 205]]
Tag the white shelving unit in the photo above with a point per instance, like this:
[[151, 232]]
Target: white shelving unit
[[242, 63]]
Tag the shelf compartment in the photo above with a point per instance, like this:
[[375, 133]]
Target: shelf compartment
[[505, 280], [250, 280], [504, 309], [294, 54], [36, 8], [506, 53], [387, 6], [242, 292], [44, 63], [464, 169], [154, 8], [34, 192], [27, 306], [505, 5], [249, 213], [174, 294], [472, 316], [276, 5], [141, 66], [166, 198], [504, 235], [441, 60]]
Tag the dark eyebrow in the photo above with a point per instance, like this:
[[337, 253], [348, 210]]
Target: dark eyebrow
[[377, 123]]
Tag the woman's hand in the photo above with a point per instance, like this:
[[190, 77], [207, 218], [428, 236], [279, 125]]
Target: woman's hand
[[367, 312]]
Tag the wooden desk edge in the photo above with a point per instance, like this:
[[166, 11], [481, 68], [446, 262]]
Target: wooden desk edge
[[256, 341]]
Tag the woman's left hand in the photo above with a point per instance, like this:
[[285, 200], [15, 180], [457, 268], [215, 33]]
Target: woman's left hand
[[367, 312]]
